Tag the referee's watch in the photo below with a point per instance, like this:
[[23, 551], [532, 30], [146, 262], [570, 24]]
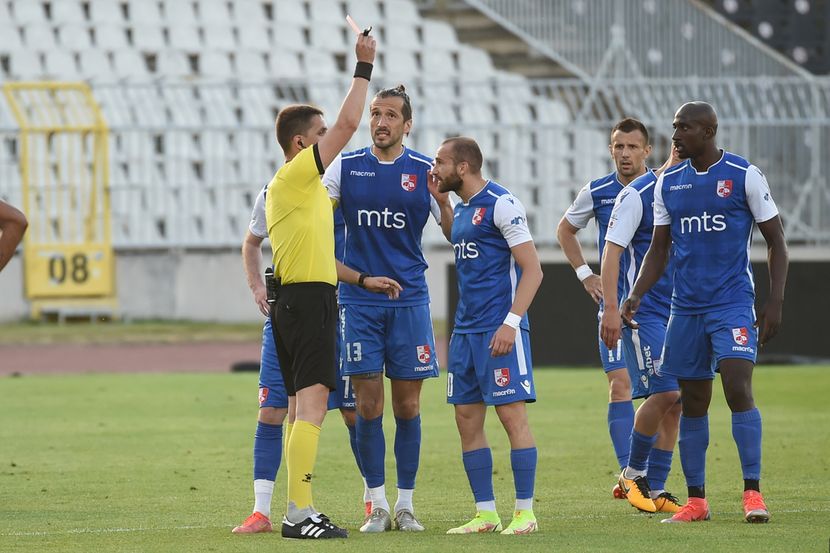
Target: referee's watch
[[361, 278]]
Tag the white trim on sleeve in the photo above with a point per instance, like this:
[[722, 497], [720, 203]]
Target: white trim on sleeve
[[510, 218], [758, 195]]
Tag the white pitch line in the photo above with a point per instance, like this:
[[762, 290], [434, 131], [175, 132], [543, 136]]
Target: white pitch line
[[202, 527]]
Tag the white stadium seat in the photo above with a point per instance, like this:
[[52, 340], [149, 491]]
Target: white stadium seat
[[105, 11], [25, 64], [74, 36], [39, 35], [400, 12], [60, 64], [185, 37], [148, 37], [327, 11], [178, 12], [144, 12], [474, 62], [286, 64], [171, 63], [289, 37], [27, 11], [365, 12], [219, 37], [319, 64], [438, 35], [9, 37], [289, 12], [215, 64], [95, 64], [245, 12], [328, 37], [251, 65], [129, 64], [255, 37], [67, 11], [110, 37]]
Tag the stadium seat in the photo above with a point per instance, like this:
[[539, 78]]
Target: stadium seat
[[327, 11], [184, 37], [328, 37], [399, 65], [67, 11], [289, 12], [404, 37], [364, 12], [148, 38], [25, 64], [170, 63], [438, 35], [144, 12], [9, 37], [39, 35], [60, 65], [245, 12], [400, 13], [319, 64], [289, 37], [117, 111], [105, 11], [255, 37], [215, 64], [178, 13], [286, 64], [129, 64], [26, 12], [474, 62], [257, 105], [219, 37], [110, 37], [220, 107], [251, 65], [438, 64], [74, 37]]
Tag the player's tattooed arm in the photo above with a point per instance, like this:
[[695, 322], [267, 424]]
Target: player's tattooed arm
[[769, 318]]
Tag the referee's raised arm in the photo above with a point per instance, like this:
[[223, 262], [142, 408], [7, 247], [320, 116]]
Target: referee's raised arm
[[351, 111]]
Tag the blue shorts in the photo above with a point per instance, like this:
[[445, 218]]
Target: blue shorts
[[397, 338], [611, 359], [643, 349], [272, 387], [695, 344], [475, 376]]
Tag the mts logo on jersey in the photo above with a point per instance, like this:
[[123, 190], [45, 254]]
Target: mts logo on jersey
[[724, 188], [381, 219], [424, 354], [465, 250], [408, 182], [478, 215], [740, 335], [502, 377], [702, 223]]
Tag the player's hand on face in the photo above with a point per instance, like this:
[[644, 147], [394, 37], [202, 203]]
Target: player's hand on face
[[261, 299], [610, 327], [627, 311], [769, 321], [383, 285], [593, 285], [502, 341], [365, 48], [432, 185]]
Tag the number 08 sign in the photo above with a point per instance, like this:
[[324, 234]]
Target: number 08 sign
[[69, 270]]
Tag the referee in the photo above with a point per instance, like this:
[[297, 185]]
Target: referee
[[301, 230]]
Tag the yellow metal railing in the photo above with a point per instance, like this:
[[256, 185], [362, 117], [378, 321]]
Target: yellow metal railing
[[64, 166]]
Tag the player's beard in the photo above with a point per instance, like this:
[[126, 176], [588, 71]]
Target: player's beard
[[387, 143], [450, 183]]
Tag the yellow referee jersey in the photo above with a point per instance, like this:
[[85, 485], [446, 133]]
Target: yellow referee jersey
[[300, 221]]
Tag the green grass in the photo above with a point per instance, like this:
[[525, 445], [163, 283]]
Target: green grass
[[152, 463]]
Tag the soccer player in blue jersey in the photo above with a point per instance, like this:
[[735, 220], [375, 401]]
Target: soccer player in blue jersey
[[704, 213], [489, 355], [655, 423], [629, 149], [383, 194], [273, 398]]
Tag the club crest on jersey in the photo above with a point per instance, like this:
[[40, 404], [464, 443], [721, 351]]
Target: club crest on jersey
[[724, 188], [502, 377], [478, 215], [408, 182], [740, 335], [263, 395], [424, 354]]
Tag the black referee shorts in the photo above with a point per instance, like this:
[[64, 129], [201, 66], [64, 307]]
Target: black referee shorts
[[304, 321]]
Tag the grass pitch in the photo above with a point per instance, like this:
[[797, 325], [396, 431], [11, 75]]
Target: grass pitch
[[152, 463]]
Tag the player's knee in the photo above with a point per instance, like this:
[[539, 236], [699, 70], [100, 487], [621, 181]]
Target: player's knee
[[369, 406], [349, 416], [272, 415], [739, 398], [407, 408], [619, 387]]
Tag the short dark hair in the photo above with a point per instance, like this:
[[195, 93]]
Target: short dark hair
[[398, 92], [466, 149], [293, 120], [629, 124]]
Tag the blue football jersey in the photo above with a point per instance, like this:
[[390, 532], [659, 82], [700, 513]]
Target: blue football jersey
[[631, 226], [712, 214], [483, 231], [596, 200], [385, 207]]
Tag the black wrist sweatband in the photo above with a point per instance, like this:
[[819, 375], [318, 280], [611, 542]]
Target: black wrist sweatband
[[363, 70], [361, 278]]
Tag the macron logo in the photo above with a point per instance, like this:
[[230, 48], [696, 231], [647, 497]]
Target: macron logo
[[362, 173], [680, 187], [702, 223]]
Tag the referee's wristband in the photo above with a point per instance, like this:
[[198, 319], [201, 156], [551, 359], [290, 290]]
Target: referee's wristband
[[363, 70], [512, 320], [583, 272]]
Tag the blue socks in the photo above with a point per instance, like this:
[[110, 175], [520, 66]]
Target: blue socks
[[659, 465], [523, 462], [267, 451], [371, 447], [479, 467], [693, 442], [353, 443], [746, 430], [640, 448], [407, 450], [620, 425]]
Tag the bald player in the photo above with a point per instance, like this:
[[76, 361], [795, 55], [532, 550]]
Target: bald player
[[706, 208]]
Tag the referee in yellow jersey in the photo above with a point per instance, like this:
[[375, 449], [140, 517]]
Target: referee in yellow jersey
[[301, 230]]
